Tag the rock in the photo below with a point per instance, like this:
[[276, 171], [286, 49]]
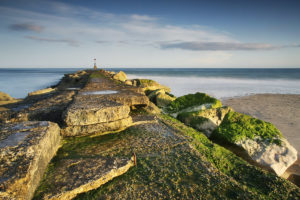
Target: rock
[[128, 82], [5, 97], [94, 112], [152, 108], [42, 91], [148, 84], [153, 94], [162, 100], [262, 141], [74, 176], [97, 129], [274, 156], [193, 102], [206, 120], [120, 76], [25, 150]]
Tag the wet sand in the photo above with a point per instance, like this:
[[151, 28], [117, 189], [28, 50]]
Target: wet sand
[[282, 110]]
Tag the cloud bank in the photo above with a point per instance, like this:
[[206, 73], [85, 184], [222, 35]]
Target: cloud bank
[[218, 46], [26, 27], [67, 41]]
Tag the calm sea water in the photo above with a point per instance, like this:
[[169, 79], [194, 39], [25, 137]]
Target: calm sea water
[[221, 83]]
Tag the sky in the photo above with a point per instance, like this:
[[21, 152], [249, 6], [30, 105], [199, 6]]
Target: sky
[[142, 33]]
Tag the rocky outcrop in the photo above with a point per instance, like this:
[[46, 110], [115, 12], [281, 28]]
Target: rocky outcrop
[[274, 156], [120, 76], [206, 120], [25, 150], [74, 176]]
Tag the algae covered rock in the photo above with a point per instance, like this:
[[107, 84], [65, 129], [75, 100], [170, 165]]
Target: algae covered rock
[[120, 76], [148, 84], [192, 102], [152, 108], [25, 150], [262, 141], [160, 97], [204, 120], [163, 99]]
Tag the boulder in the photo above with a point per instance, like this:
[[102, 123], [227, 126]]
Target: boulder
[[74, 176], [163, 99], [120, 76], [97, 129], [128, 82], [193, 102], [261, 140], [152, 108], [206, 120], [25, 151], [85, 113], [274, 156], [148, 84], [5, 97]]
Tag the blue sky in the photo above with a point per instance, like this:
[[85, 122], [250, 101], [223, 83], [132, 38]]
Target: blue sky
[[165, 33]]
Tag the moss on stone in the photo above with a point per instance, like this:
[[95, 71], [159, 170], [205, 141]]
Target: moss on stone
[[191, 118], [263, 184], [237, 126], [190, 100]]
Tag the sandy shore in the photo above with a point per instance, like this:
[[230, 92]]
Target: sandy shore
[[280, 109], [283, 110]]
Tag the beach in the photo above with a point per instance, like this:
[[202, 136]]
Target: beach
[[283, 110]]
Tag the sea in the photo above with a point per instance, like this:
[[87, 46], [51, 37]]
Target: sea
[[222, 83]]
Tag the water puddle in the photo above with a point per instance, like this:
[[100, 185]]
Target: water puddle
[[73, 88], [100, 92], [13, 139]]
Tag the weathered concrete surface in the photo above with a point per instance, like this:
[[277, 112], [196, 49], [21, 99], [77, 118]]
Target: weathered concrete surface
[[98, 128], [102, 105], [74, 176], [276, 157], [25, 150], [86, 112]]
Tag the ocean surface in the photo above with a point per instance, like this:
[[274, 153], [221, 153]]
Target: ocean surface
[[221, 83]]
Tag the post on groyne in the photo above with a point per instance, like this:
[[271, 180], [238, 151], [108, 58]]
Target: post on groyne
[[95, 65]]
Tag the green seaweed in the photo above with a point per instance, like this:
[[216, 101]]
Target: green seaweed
[[263, 184], [190, 100], [237, 126]]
